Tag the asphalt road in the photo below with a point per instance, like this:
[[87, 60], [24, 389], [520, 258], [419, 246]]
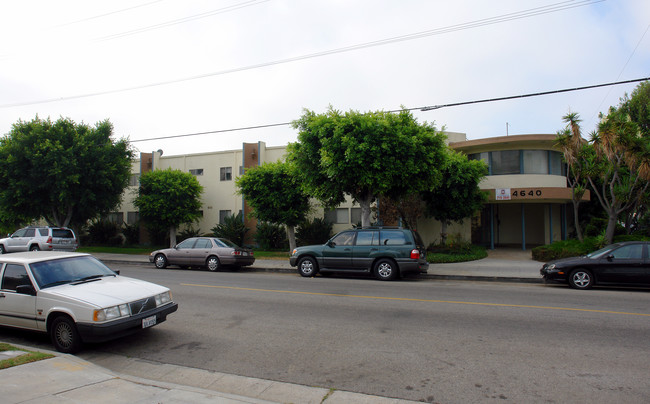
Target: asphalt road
[[428, 340]]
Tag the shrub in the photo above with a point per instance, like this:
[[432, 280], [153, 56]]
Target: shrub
[[574, 248], [232, 228], [317, 231], [131, 234], [187, 233], [271, 236], [103, 232]]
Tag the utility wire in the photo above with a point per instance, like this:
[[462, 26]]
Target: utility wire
[[429, 108], [555, 7]]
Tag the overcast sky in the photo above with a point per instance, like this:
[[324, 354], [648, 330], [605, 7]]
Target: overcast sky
[[165, 68]]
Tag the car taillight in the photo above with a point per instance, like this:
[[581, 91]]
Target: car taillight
[[49, 240], [415, 254]]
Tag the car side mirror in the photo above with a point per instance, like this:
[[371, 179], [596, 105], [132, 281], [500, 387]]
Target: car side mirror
[[331, 244], [117, 272], [610, 257], [26, 290]]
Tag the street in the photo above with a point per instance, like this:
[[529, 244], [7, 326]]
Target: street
[[423, 340]]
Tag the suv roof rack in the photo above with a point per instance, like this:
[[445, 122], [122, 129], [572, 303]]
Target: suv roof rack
[[380, 227]]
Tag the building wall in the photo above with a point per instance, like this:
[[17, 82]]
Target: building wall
[[541, 196]]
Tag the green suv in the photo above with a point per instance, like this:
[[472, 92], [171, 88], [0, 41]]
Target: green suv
[[386, 252]]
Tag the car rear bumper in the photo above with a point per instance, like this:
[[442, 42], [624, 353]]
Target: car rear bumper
[[413, 267], [124, 326]]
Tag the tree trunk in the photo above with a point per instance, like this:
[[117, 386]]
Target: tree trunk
[[611, 227], [365, 210], [443, 232], [172, 236], [576, 220], [291, 235]]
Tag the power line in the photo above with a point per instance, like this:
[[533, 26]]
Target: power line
[[555, 7], [427, 108]]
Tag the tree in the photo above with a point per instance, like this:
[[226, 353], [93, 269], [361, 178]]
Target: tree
[[572, 144], [622, 163], [407, 209], [365, 156], [63, 172], [275, 195], [169, 198], [616, 160], [458, 196]]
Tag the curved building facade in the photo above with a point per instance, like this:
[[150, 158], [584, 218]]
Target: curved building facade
[[529, 201]]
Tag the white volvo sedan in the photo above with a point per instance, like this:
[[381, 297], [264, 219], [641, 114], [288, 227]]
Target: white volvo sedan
[[75, 298]]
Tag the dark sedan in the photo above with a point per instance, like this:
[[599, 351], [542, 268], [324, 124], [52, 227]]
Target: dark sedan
[[209, 252], [619, 263]]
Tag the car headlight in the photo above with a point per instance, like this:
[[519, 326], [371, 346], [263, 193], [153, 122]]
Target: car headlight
[[294, 252], [111, 313], [163, 298], [550, 267]]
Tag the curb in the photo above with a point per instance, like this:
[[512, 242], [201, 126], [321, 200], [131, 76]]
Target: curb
[[474, 278]]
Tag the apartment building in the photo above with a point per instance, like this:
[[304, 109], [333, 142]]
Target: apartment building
[[528, 194]]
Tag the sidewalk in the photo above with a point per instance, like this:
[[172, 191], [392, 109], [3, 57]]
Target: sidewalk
[[503, 265], [70, 379], [74, 380]]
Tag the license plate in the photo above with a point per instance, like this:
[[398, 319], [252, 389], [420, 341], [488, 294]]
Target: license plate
[[148, 322]]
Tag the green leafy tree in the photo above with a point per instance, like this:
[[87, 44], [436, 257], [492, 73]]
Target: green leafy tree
[[458, 196], [167, 199], [365, 155], [64, 172], [275, 195]]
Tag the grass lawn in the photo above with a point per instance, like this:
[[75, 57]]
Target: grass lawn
[[27, 357]]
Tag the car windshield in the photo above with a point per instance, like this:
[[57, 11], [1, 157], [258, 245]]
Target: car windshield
[[67, 270], [602, 251], [222, 242]]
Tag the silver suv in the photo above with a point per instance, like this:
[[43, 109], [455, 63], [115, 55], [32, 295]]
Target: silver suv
[[40, 238]]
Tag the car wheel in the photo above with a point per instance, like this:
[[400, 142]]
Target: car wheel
[[160, 261], [2, 249], [212, 263], [581, 279], [386, 270], [64, 335], [34, 248], [307, 267]]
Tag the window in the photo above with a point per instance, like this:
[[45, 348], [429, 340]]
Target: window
[[345, 238], [338, 215], [196, 171], [30, 233], [186, 243], [132, 217], [556, 164], [20, 233], [368, 238], [634, 251], [393, 237], [43, 232], [203, 243], [223, 214], [355, 215], [505, 162], [115, 217], [134, 180], [14, 276], [226, 173], [535, 161]]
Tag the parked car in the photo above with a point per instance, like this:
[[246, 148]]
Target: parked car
[[40, 238], [75, 298], [210, 252], [386, 252], [621, 263]]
